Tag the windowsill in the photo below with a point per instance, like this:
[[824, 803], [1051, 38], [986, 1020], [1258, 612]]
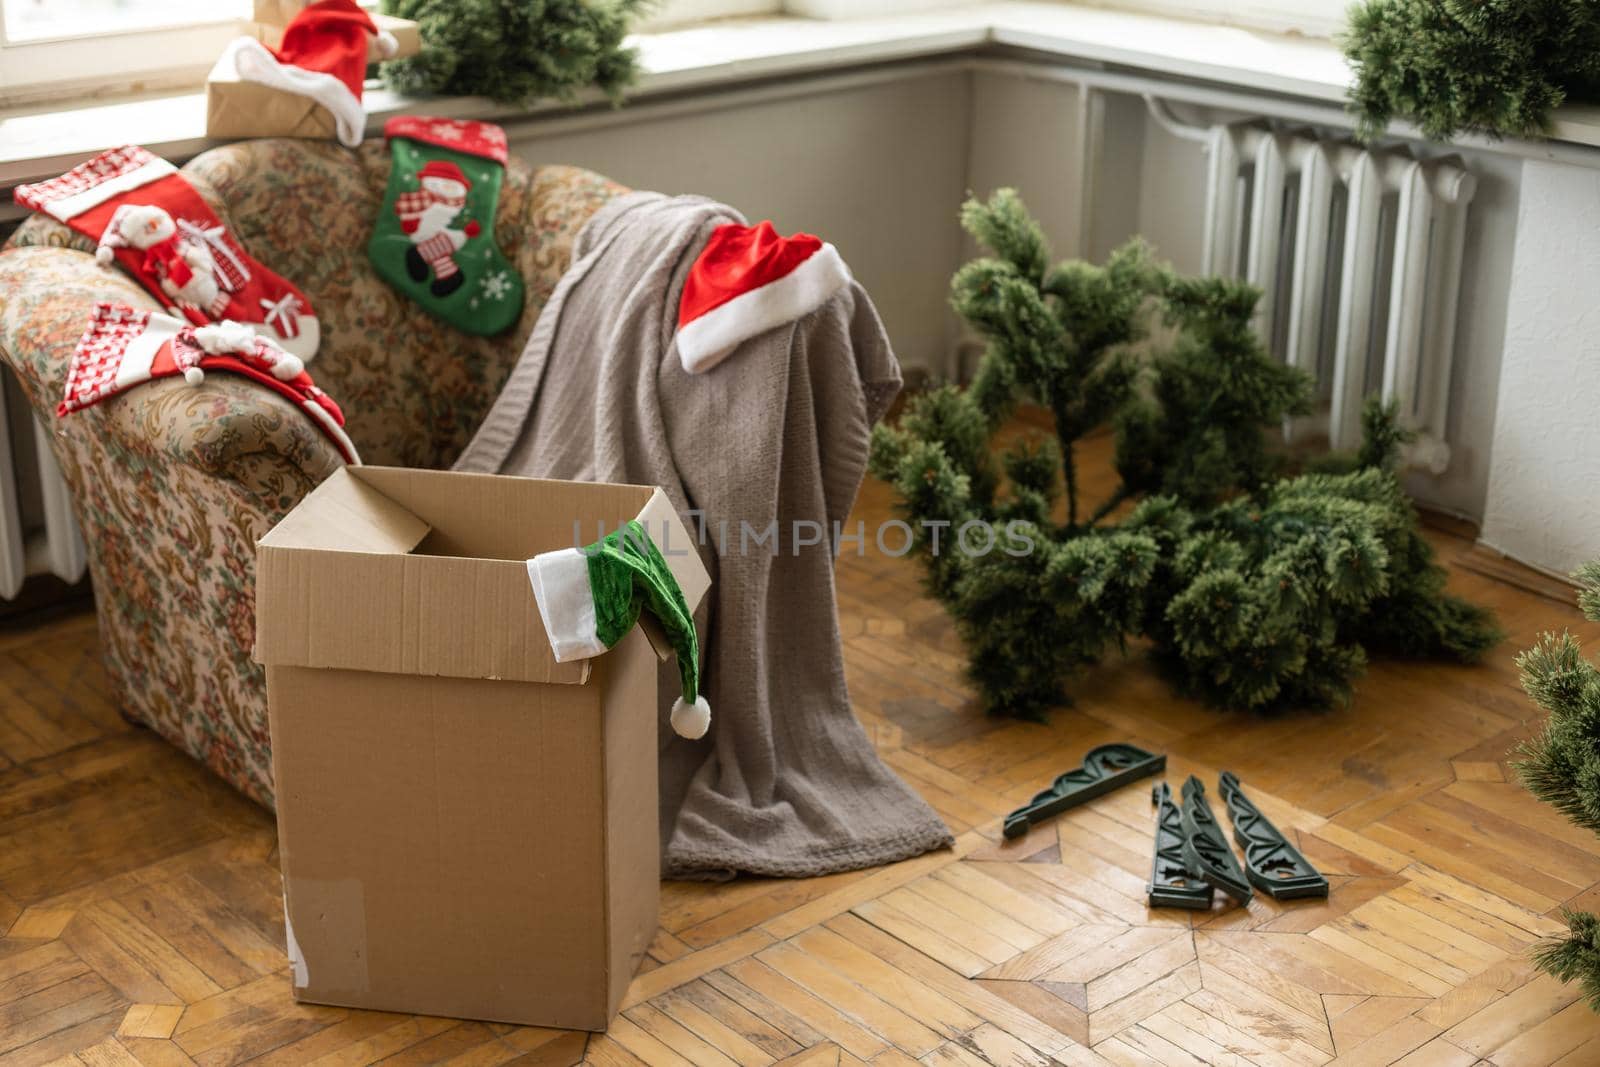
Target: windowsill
[[1276, 63], [44, 142]]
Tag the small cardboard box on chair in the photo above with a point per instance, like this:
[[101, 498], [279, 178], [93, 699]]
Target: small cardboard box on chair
[[466, 827], [237, 108]]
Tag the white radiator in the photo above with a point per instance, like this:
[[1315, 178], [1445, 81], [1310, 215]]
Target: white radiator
[[38, 534], [1358, 256]]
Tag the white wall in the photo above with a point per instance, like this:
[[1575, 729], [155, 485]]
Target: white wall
[[878, 170], [1544, 484], [1024, 133]]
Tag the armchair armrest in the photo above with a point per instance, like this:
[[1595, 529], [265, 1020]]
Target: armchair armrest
[[226, 427]]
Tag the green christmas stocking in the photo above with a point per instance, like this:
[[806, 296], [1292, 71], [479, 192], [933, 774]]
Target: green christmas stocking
[[434, 237]]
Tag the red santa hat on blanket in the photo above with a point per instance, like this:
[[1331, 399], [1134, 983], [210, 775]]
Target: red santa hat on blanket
[[323, 56], [125, 346], [748, 280]]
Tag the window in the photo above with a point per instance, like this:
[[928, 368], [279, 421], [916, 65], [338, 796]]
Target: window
[[54, 48], [35, 20]]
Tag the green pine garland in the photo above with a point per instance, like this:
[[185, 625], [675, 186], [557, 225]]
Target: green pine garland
[[1497, 67], [516, 51], [1562, 767], [1256, 591]]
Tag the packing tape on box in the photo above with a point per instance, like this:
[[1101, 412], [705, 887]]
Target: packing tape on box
[[333, 918], [297, 962]]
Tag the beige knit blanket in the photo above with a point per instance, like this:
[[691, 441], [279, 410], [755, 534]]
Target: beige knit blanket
[[786, 783]]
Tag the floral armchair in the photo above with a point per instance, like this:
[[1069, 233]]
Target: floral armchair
[[174, 484]]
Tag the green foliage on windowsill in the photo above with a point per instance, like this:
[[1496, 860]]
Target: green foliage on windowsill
[[1257, 591], [1495, 67], [516, 51]]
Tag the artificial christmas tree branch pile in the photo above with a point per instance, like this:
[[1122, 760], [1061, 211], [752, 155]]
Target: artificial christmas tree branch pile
[[1497, 67], [1256, 591], [516, 51], [1562, 768]]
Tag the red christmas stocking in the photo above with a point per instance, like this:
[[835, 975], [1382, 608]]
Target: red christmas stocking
[[149, 219], [124, 347]]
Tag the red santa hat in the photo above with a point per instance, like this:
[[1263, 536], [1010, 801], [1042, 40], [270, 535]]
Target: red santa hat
[[748, 280], [443, 168], [125, 346], [323, 56]]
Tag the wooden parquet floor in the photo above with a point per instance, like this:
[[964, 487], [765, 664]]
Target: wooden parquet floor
[[139, 899]]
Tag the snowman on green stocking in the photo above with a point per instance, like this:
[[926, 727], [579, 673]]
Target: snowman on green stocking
[[426, 216]]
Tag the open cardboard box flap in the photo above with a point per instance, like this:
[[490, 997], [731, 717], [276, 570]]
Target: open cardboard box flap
[[423, 572]]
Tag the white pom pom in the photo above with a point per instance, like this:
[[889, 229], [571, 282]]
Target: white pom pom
[[385, 44], [104, 255], [287, 367], [194, 375], [691, 720]]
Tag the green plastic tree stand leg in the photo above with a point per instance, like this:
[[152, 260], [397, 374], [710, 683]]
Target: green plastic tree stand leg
[[1205, 849], [1272, 864], [1172, 883], [1104, 769]]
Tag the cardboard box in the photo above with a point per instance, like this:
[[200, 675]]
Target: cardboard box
[[466, 827], [237, 108]]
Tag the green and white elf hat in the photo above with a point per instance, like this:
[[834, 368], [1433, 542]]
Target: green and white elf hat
[[590, 597]]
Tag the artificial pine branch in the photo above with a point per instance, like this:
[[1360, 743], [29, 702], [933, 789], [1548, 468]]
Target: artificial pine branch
[[516, 51], [1561, 766], [1576, 956], [1256, 591], [1070, 469]]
